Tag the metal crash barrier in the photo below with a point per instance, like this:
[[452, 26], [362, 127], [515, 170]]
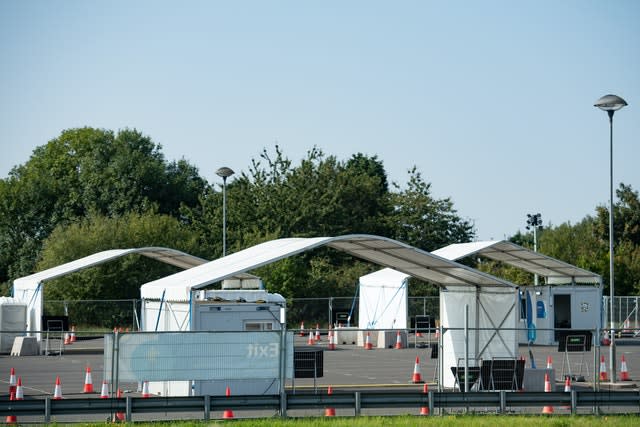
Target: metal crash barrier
[[500, 401]]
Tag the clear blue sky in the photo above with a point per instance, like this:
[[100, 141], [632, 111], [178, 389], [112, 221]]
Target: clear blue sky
[[491, 100]]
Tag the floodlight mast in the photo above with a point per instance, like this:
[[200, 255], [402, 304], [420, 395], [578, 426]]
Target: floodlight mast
[[535, 221]]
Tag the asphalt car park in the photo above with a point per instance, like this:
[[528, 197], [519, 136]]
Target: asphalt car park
[[347, 368]]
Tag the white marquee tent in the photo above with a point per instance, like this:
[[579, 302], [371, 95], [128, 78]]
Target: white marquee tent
[[383, 300], [492, 304]]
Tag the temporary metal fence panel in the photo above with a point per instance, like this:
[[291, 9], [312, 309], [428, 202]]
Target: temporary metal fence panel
[[344, 310], [175, 356], [625, 314]]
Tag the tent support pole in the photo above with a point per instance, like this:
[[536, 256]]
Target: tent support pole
[[160, 310], [466, 348]]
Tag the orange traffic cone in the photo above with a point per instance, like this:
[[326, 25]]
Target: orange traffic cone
[[12, 381], [624, 372], [72, 336], [329, 411], [567, 387], [57, 391], [417, 376], [67, 338], [367, 342], [12, 419], [311, 340], [228, 413], [302, 328], [19, 390], [603, 370], [88, 383], [104, 391], [425, 409], [145, 389], [317, 332], [332, 339], [398, 341], [605, 339], [549, 362], [547, 388], [119, 416]]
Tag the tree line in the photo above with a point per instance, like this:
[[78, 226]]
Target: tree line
[[89, 190]]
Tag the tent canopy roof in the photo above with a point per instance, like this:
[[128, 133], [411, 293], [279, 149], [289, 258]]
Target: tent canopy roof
[[379, 250], [554, 270], [165, 255]]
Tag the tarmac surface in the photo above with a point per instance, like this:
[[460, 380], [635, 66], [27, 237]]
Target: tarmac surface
[[349, 367]]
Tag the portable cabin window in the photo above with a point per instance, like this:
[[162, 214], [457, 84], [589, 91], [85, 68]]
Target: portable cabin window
[[256, 325]]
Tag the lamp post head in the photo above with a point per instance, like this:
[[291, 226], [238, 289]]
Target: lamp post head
[[224, 172], [610, 103]]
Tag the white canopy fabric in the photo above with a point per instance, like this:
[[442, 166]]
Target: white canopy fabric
[[29, 288], [380, 250], [555, 271]]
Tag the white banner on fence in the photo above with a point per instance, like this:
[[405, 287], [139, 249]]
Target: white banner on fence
[[174, 356]]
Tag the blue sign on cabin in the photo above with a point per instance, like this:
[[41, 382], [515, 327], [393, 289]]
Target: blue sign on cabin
[[542, 313]]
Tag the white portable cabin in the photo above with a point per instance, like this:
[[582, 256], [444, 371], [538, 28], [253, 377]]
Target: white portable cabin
[[570, 297], [241, 305], [13, 322]]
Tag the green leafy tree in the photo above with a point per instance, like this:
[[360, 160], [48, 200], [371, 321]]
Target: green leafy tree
[[626, 222], [423, 221], [86, 171]]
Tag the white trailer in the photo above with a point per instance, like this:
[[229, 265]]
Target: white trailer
[[238, 307]]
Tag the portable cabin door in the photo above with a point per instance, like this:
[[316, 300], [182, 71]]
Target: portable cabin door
[[561, 313]]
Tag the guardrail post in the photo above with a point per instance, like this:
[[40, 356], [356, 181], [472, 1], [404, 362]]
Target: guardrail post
[[283, 404], [574, 402], [503, 401], [207, 407], [127, 414], [430, 402], [47, 410], [358, 408]]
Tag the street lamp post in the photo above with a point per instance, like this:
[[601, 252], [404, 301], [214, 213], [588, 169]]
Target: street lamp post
[[225, 173], [534, 221], [611, 104]]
